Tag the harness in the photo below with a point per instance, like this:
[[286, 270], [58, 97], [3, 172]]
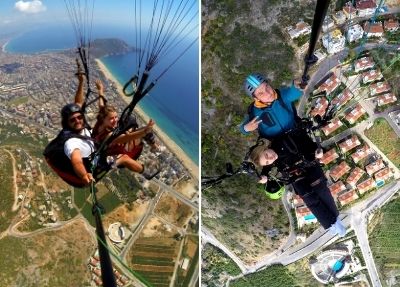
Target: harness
[[61, 164], [296, 152]]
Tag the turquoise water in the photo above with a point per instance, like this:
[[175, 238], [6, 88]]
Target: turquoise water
[[337, 266], [309, 217], [173, 103]]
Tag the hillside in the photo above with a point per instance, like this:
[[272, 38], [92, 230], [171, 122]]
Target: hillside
[[239, 38]]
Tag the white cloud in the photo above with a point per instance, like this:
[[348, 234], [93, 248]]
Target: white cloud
[[30, 7]]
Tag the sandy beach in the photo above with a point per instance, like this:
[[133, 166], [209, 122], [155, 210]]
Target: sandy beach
[[168, 142]]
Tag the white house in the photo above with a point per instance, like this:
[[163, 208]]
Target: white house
[[327, 24], [302, 28], [333, 41], [354, 33]]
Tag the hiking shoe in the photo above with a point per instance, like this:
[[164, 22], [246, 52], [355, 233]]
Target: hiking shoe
[[341, 229], [333, 230]]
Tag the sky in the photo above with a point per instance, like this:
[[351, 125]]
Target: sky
[[17, 15]]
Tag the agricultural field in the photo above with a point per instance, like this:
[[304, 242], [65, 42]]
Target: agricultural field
[[383, 136], [385, 240], [173, 210], [190, 254], [154, 254]]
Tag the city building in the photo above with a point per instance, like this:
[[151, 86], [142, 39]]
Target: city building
[[365, 7], [386, 99], [363, 64], [371, 76], [373, 29], [301, 28], [356, 113], [375, 166], [347, 196], [391, 25], [333, 41], [329, 156], [339, 170], [354, 176], [336, 188], [329, 85], [339, 17], [319, 107], [354, 33], [332, 126], [327, 24], [342, 98], [361, 153], [366, 185], [349, 144], [378, 88]]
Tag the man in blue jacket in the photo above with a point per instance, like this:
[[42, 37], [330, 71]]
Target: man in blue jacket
[[272, 112], [274, 116]]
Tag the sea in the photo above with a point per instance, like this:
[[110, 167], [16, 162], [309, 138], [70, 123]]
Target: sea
[[174, 101]]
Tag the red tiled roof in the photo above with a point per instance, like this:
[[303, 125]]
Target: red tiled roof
[[329, 156], [386, 99], [330, 84], [342, 98], [366, 185], [297, 200], [320, 107], [347, 196], [361, 153], [375, 166], [337, 187], [303, 210], [349, 144], [383, 174], [372, 75], [364, 63], [332, 126], [365, 4], [339, 170], [355, 114], [355, 176], [373, 28], [391, 24], [379, 87]]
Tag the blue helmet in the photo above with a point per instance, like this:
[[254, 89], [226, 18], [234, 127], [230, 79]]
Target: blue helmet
[[252, 82]]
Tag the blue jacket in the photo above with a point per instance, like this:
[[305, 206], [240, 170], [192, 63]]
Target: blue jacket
[[277, 118]]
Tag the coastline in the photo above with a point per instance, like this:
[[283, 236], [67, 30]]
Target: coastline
[[3, 47], [168, 142]]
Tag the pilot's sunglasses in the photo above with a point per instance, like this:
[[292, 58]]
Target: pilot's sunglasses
[[76, 118]]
